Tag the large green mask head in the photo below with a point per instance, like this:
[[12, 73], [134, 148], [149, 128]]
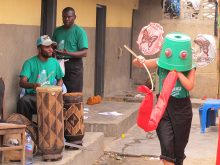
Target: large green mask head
[[176, 53]]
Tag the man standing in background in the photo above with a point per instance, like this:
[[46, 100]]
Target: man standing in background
[[72, 45]]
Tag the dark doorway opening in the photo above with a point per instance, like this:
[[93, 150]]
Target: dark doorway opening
[[100, 49], [48, 16], [132, 33]]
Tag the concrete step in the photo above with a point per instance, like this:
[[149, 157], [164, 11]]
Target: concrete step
[[111, 118], [92, 141], [137, 98], [103, 117]]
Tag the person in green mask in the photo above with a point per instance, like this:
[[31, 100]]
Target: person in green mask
[[174, 127]]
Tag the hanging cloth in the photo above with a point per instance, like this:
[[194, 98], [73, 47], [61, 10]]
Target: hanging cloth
[[195, 4], [172, 7]]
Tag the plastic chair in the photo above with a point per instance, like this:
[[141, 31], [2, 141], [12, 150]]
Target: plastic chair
[[209, 104], [210, 118]]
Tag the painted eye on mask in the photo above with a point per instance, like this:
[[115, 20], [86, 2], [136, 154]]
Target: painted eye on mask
[[168, 52], [183, 54]]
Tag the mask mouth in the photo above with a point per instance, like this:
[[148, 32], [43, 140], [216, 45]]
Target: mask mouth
[[177, 36]]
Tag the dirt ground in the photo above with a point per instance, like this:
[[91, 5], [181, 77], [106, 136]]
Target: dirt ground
[[114, 159]]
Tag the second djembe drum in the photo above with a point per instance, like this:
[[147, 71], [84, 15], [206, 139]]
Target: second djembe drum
[[50, 121], [73, 114]]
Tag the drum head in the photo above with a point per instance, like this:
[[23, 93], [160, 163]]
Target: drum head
[[49, 89]]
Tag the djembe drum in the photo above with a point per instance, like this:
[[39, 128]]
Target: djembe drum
[[73, 113], [50, 121]]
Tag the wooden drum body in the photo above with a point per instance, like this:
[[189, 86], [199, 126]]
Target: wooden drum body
[[73, 113], [50, 121]]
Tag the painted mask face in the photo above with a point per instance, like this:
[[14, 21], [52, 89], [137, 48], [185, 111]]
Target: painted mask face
[[150, 39], [176, 53]]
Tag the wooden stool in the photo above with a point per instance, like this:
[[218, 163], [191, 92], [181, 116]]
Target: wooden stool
[[8, 128]]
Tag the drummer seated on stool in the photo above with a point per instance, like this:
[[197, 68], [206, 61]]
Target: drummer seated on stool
[[37, 71]]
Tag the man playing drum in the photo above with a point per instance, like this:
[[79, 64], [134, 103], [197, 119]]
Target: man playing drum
[[38, 71]]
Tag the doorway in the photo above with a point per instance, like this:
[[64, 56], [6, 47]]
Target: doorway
[[100, 49], [48, 17]]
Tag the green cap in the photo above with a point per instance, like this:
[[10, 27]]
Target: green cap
[[45, 40], [176, 52]]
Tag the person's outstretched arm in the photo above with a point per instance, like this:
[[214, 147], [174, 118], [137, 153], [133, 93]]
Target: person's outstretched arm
[[140, 60], [187, 82]]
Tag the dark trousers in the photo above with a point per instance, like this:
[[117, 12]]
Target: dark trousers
[[27, 106], [73, 78], [174, 129]]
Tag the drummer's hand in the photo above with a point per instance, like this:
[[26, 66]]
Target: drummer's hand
[[35, 85], [140, 59]]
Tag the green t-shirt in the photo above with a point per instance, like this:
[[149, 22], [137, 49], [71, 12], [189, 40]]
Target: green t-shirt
[[179, 91], [34, 68], [72, 39]]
